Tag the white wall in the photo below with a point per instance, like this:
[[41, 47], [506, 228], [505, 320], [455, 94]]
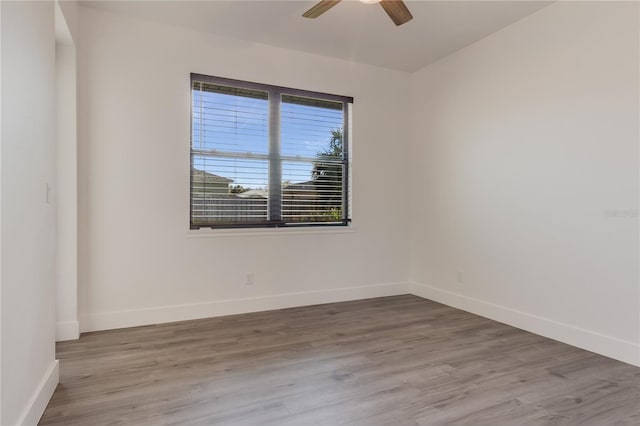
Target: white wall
[[139, 263], [525, 176], [28, 368], [67, 327]]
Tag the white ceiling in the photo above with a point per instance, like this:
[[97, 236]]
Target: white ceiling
[[351, 30]]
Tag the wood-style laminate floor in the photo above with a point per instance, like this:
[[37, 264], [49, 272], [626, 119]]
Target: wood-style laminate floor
[[388, 361]]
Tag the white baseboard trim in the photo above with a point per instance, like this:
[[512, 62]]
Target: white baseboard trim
[[67, 330], [609, 346], [40, 398], [164, 314]]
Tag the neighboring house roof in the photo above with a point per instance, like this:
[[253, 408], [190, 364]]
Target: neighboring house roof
[[311, 184], [206, 177], [253, 193], [301, 190]]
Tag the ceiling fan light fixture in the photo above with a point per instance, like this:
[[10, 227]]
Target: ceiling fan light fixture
[[396, 9]]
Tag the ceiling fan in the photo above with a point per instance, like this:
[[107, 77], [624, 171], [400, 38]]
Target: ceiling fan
[[396, 9]]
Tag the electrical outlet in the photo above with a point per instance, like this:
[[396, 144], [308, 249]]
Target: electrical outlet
[[460, 280], [248, 278]]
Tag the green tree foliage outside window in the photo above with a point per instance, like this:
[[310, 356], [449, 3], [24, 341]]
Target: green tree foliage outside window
[[327, 176]]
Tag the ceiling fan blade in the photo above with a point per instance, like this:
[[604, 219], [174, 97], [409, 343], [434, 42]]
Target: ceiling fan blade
[[397, 11], [320, 8]]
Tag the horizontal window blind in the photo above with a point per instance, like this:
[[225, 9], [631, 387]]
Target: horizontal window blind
[[311, 132], [229, 150], [267, 156]]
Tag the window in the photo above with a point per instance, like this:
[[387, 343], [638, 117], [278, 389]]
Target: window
[[264, 155]]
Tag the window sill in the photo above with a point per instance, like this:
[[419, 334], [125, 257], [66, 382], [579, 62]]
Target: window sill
[[267, 232]]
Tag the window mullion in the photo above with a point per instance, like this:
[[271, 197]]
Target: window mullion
[[275, 163]]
